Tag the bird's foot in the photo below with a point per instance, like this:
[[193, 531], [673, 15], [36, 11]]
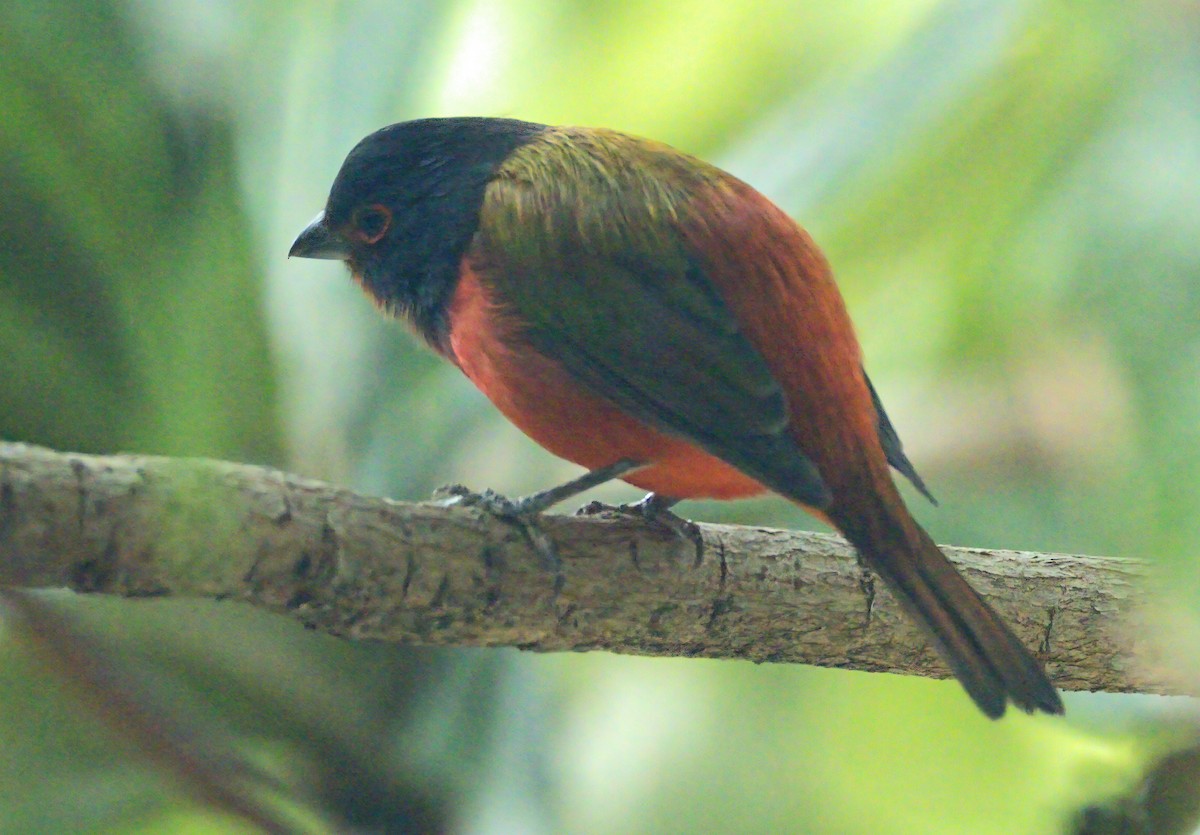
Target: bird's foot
[[656, 509], [521, 513]]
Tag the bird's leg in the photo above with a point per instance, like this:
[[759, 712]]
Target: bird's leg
[[522, 512], [538, 502], [654, 508]]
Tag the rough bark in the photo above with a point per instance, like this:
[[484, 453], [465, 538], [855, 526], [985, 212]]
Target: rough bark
[[367, 567]]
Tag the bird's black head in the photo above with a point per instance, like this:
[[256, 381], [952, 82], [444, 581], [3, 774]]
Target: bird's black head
[[404, 207]]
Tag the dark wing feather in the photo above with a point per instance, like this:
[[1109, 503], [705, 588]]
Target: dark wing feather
[[892, 448]]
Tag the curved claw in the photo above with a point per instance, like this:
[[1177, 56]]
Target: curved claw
[[506, 510], [523, 512], [656, 509]]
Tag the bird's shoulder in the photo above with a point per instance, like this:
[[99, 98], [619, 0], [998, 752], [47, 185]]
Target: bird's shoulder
[[597, 188]]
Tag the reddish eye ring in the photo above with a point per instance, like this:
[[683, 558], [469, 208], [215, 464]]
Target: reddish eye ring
[[372, 222]]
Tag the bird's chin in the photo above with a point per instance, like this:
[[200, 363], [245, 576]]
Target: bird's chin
[[368, 287]]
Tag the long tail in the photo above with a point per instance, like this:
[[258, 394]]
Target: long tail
[[989, 661]]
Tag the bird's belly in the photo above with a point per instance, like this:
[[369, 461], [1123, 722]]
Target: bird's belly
[[539, 396]]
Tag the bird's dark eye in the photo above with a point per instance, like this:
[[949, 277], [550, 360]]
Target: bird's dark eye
[[371, 222]]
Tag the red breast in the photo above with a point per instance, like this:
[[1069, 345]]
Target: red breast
[[537, 395]]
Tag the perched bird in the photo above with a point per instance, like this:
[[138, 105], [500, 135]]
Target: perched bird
[[646, 315]]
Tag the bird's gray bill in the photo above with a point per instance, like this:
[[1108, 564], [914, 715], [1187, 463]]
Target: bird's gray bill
[[319, 241]]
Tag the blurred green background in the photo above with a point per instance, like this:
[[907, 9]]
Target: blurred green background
[[1009, 192]]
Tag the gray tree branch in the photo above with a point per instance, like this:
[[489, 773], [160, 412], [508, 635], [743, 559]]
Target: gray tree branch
[[366, 567]]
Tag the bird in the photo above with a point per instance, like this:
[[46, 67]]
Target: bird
[[651, 317]]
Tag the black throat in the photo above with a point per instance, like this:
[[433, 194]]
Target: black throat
[[432, 174]]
